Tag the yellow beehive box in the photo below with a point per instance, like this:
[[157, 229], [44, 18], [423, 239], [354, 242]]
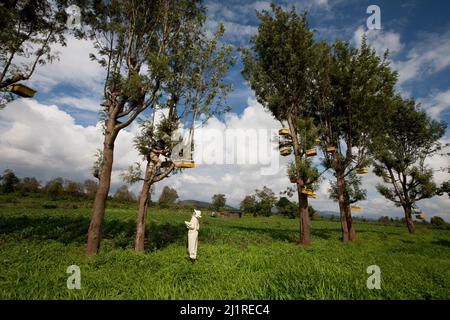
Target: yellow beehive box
[[22, 90], [283, 132], [311, 152]]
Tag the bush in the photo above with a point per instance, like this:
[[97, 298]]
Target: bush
[[437, 221], [49, 206]]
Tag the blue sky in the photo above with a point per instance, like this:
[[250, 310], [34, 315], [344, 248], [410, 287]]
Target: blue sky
[[416, 23], [64, 140]]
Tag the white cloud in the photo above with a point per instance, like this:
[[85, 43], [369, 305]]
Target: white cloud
[[437, 103], [429, 56], [83, 103], [43, 141], [380, 40], [74, 68]]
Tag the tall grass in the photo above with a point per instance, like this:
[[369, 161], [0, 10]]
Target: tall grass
[[248, 258]]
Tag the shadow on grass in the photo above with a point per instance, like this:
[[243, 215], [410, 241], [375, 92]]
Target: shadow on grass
[[289, 235], [441, 242], [118, 233]]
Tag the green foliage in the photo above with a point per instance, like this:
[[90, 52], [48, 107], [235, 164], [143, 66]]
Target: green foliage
[[124, 195], [281, 62], [352, 192], [55, 189], [28, 31], [266, 200], [437, 221], [409, 137], [218, 202], [168, 197], [248, 204], [445, 188], [287, 208], [90, 188], [9, 181], [29, 185]]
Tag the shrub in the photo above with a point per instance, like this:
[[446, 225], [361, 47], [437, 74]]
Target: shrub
[[437, 221]]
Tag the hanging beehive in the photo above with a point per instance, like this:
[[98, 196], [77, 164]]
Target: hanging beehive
[[307, 191], [22, 90], [283, 132], [331, 149], [421, 216], [356, 209], [285, 144], [362, 171], [311, 152], [285, 152], [185, 164]]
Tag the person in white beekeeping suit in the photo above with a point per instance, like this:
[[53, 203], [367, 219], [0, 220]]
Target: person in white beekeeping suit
[[193, 227]]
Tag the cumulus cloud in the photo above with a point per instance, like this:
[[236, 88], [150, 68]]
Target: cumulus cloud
[[74, 68], [430, 55], [437, 103], [43, 141], [380, 40]]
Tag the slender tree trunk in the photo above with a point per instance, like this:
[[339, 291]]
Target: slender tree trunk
[[342, 206], [350, 224], [305, 225], [98, 211], [141, 218], [408, 216]]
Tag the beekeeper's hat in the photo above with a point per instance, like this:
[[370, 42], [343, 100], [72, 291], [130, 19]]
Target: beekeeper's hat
[[197, 213]]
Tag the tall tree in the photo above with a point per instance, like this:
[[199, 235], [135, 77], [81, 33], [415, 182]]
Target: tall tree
[[218, 201], [352, 192], [248, 205], [9, 181], [168, 197], [265, 201], [279, 67], [409, 137], [193, 90], [135, 41], [28, 30], [122, 194], [351, 88]]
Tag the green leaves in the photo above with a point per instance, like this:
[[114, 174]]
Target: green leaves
[[280, 62], [407, 136]]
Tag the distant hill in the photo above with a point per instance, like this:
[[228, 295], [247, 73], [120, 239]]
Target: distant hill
[[202, 204]]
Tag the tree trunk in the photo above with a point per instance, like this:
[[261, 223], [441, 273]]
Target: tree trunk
[[350, 225], [141, 218], [305, 225], [342, 206], [408, 216], [98, 210]]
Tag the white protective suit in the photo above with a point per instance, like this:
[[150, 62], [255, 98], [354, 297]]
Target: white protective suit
[[193, 227]]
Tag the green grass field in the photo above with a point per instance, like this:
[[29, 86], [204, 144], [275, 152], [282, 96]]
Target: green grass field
[[248, 258]]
